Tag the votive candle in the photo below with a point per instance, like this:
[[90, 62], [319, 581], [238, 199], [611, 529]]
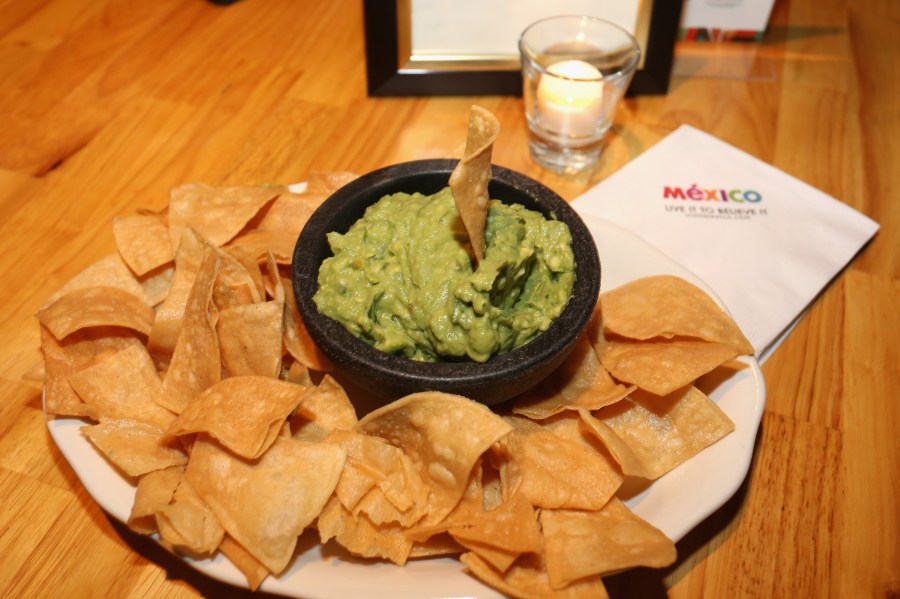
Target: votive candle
[[570, 97]]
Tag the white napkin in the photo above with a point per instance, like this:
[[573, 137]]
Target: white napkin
[[765, 242]]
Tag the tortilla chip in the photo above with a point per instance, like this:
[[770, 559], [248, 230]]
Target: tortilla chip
[[257, 242], [154, 492], [122, 385], [491, 485], [527, 579], [170, 314], [629, 462], [379, 481], [471, 505], [582, 544], [227, 296], [266, 504], [325, 183], [669, 306], [235, 286], [298, 374], [253, 268], [539, 465], [580, 382], [156, 283], [272, 282], [277, 230], [95, 307], [444, 435], [499, 534], [662, 367], [143, 241], [135, 447], [469, 180], [109, 271], [244, 413], [250, 334], [499, 559], [664, 432], [394, 506], [297, 339], [360, 536], [288, 213], [570, 426], [250, 339], [436, 546], [250, 567], [187, 523], [512, 527], [216, 213], [324, 409], [73, 354], [195, 364]]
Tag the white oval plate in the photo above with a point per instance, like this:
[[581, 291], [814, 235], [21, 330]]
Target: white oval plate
[[675, 503]]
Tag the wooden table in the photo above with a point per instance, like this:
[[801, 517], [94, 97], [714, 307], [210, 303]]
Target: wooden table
[[105, 105]]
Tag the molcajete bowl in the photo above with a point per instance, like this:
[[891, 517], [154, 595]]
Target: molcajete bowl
[[388, 376]]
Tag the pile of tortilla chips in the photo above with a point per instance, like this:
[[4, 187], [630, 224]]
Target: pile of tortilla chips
[[184, 353]]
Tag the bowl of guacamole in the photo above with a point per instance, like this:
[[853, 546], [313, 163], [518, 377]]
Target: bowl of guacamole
[[391, 292]]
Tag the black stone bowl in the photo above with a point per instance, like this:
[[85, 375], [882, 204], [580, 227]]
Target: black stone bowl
[[387, 376]]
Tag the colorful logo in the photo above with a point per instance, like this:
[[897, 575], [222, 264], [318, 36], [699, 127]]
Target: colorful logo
[[698, 194]]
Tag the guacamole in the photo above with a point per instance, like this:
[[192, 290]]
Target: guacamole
[[401, 278]]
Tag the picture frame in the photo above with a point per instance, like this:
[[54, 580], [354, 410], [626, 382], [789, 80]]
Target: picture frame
[[393, 69]]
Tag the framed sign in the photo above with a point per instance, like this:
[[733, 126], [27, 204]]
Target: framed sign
[[469, 47]]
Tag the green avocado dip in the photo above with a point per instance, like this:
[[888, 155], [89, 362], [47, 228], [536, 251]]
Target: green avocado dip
[[401, 278]]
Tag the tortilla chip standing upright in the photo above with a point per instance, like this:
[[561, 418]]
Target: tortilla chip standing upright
[[469, 180], [196, 362]]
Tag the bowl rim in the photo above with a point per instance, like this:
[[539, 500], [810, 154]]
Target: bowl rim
[[334, 339]]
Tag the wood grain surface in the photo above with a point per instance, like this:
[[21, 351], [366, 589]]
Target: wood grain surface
[[107, 104]]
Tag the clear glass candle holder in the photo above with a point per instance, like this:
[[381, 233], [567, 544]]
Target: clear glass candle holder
[[575, 70]]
